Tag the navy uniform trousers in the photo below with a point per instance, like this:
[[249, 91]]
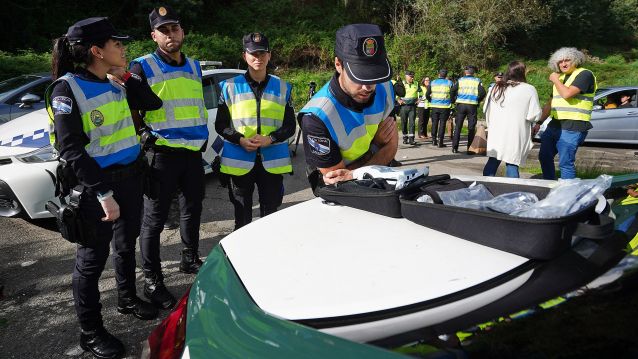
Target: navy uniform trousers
[[121, 235], [464, 110], [270, 188], [169, 171]]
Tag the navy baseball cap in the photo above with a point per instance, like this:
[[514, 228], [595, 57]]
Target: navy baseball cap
[[409, 73], [255, 41], [471, 69], [93, 29], [443, 72], [361, 48], [161, 16]]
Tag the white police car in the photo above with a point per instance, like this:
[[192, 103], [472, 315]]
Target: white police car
[[27, 163]]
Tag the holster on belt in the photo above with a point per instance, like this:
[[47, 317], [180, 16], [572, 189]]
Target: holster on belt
[[71, 222]]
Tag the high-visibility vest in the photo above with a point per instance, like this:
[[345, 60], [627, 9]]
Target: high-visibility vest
[[424, 100], [352, 131], [440, 97], [182, 120], [250, 117], [468, 90], [106, 120], [411, 93], [578, 107]]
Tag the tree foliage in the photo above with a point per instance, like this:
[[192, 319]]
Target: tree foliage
[[462, 31]]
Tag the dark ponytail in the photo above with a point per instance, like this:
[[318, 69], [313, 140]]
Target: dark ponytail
[[61, 57], [65, 57]]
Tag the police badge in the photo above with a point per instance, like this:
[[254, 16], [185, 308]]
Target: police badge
[[97, 118]]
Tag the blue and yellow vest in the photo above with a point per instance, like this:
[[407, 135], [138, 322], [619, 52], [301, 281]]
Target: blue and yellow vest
[[468, 90], [249, 118], [106, 120], [440, 97], [411, 93], [352, 131], [578, 107], [182, 120]]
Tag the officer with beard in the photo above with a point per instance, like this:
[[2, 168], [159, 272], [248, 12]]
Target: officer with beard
[[181, 131]]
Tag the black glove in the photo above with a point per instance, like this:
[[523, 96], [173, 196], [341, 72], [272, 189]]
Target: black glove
[[147, 138]]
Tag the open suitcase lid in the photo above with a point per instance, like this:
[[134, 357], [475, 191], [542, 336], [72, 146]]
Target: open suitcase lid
[[313, 261]]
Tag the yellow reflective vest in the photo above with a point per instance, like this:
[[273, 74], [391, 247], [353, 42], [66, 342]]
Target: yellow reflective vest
[[578, 107], [250, 117]]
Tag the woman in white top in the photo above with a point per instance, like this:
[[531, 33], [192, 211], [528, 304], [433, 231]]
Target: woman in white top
[[510, 110]]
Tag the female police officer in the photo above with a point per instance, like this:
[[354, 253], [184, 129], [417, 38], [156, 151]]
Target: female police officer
[[95, 135]]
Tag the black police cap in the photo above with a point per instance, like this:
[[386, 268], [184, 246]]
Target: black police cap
[[443, 72], [255, 41], [93, 29], [361, 48], [470, 68], [161, 16], [409, 73]]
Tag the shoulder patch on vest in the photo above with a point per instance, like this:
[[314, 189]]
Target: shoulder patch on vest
[[320, 145], [61, 105]]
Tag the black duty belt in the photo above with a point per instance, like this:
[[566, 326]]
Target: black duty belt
[[166, 149], [123, 172]]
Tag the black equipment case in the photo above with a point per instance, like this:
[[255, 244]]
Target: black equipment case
[[533, 238]]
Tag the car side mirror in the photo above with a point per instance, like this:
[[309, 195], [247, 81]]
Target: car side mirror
[[28, 100], [598, 107]]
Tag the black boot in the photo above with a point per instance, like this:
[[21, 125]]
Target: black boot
[[190, 261], [139, 308], [101, 344], [411, 141], [435, 143], [405, 140], [155, 290]]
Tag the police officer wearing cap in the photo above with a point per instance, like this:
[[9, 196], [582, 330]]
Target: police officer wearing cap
[[408, 104], [440, 94], [348, 123], [94, 133], [255, 117], [470, 92], [181, 131]]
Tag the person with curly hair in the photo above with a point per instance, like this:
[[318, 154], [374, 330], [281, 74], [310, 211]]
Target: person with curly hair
[[570, 107]]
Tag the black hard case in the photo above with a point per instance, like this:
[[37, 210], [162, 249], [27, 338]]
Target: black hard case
[[357, 195], [528, 237]]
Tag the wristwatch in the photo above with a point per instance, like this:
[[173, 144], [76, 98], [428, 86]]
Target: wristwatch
[[272, 139]]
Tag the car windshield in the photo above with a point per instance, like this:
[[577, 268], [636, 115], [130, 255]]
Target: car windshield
[[15, 82]]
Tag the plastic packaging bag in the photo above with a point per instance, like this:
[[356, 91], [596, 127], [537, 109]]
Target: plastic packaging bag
[[475, 192], [512, 202], [569, 196], [399, 177], [425, 199]]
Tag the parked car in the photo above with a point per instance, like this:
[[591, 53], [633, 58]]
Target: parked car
[[21, 95], [612, 124], [339, 278], [27, 161]]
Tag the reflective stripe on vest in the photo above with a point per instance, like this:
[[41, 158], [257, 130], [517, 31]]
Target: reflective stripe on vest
[[468, 90], [440, 97], [248, 120], [182, 120], [411, 91], [352, 131], [578, 107], [106, 120]]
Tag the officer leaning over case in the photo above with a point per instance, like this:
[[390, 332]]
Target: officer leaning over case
[[95, 136], [348, 123], [181, 131], [255, 117]]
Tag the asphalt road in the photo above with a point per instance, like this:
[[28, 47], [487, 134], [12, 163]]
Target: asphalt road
[[37, 318]]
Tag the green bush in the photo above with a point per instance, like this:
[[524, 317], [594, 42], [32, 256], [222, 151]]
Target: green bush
[[24, 62], [615, 60]]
